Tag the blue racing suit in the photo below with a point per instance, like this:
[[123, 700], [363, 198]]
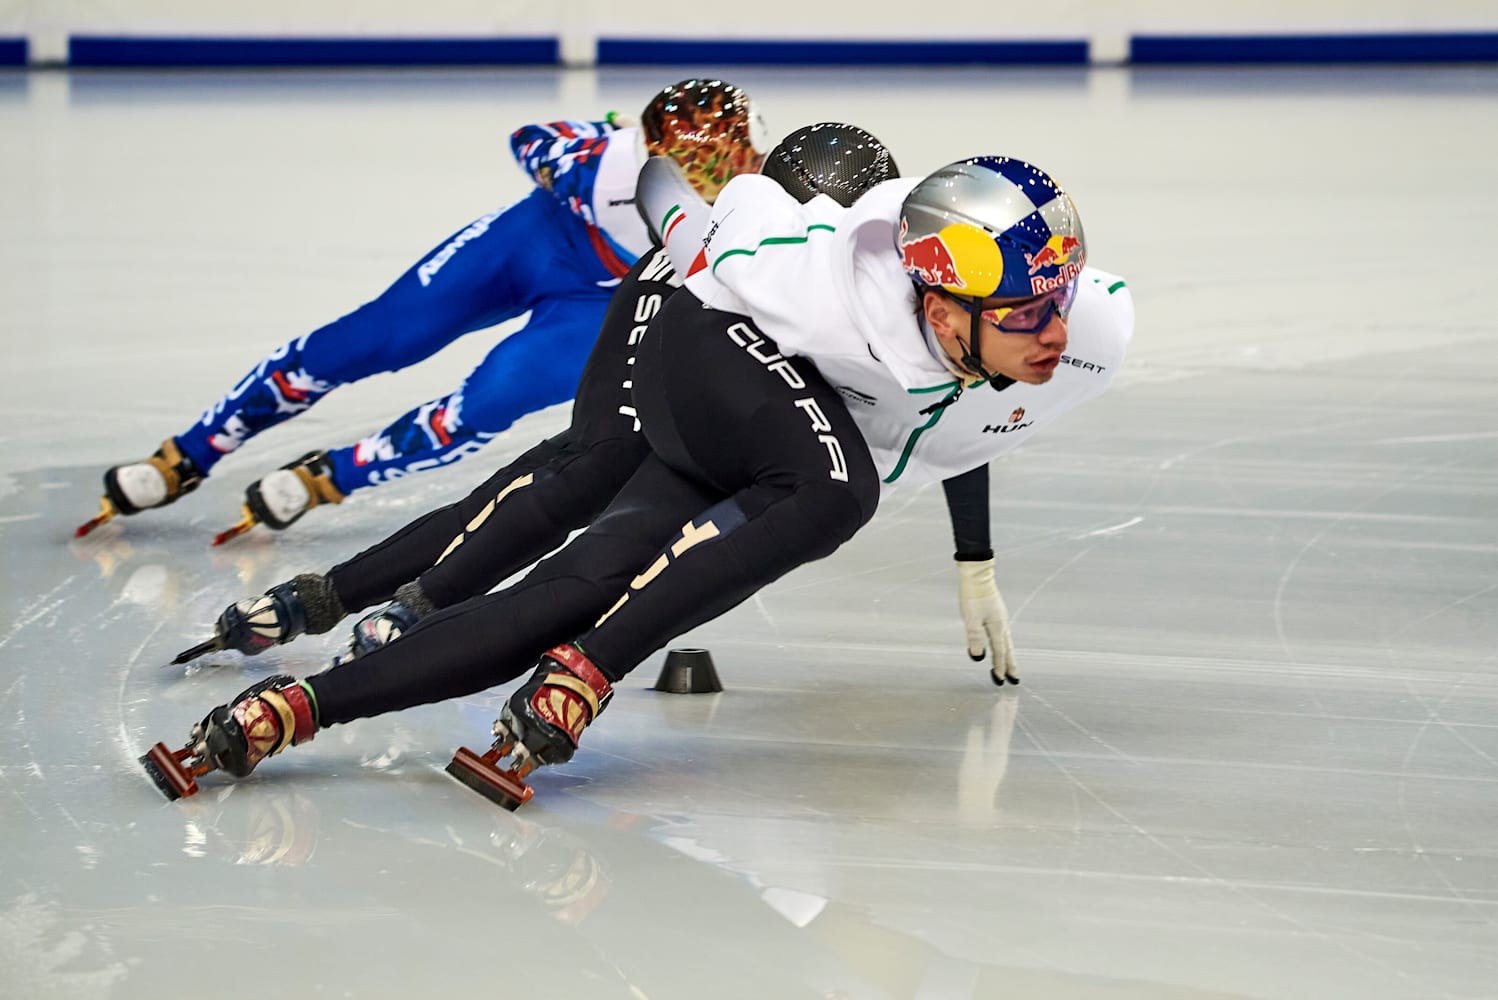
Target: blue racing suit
[[557, 254]]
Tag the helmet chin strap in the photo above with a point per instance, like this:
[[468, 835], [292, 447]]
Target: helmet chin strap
[[972, 358], [973, 364]]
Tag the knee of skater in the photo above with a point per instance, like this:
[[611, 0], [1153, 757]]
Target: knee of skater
[[833, 513], [489, 412]]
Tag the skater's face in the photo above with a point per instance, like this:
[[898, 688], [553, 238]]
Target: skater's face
[[1025, 357]]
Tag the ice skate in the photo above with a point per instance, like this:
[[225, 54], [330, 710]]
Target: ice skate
[[306, 603], [263, 720], [540, 724], [376, 630], [282, 497], [155, 482]]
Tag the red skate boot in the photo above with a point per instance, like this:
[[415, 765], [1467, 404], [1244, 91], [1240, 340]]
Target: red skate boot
[[540, 724], [267, 718]]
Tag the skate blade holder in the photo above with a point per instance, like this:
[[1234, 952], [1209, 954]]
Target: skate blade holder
[[247, 520], [169, 770], [483, 774], [107, 512]]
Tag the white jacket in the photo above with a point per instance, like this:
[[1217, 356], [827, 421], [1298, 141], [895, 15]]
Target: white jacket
[[826, 283]]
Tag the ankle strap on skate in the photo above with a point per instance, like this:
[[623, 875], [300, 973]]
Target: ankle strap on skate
[[294, 708], [179, 471], [316, 473], [582, 677]]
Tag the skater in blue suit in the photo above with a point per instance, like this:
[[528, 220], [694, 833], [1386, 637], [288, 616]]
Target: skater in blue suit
[[557, 254]]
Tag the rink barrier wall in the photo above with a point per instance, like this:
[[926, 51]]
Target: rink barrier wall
[[1147, 50], [543, 50], [117, 51], [767, 52]]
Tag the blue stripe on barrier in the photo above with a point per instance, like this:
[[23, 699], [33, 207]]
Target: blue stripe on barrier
[[92, 50], [1366, 48], [13, 51], [765, 52]]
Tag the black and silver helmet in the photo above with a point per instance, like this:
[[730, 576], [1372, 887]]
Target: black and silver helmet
[[841, 161]]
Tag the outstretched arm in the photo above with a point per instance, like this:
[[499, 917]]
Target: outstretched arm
[[983, 611]]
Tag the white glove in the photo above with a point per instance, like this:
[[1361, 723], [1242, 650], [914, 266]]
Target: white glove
[[986, 619]]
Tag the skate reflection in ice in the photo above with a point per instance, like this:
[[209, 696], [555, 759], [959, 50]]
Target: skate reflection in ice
[[252, 829], [630, 902]]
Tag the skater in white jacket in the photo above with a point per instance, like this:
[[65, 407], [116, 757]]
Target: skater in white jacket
[[816, 357]]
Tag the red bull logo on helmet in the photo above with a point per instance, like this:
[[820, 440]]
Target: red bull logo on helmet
[[1064, 253], [929, 260], [961, 258]]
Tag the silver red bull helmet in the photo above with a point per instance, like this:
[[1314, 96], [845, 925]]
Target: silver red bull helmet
[[991, 226]]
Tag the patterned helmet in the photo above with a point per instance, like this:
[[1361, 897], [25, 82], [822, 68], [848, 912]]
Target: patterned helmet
[[841, 161], [989, 227], [709, 127]]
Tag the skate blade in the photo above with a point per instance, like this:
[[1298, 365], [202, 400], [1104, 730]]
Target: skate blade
[[107, 512], [484, 776], [246, 522], [201, 649], [166, 770]]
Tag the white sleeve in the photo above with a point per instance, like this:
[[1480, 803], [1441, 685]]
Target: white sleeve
[[673, 210], [763, 254], [1109, 306]]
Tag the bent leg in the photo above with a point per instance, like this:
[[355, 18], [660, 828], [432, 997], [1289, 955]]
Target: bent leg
[[529, 507], [721, 404], [535, 367], [372, 576], [598, 453], [495, 638], [482, 277], [531, 516], [720, 558]]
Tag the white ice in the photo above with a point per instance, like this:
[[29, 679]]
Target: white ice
[[1254, 586]]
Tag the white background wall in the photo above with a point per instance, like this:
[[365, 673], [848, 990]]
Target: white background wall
[[47, 23]]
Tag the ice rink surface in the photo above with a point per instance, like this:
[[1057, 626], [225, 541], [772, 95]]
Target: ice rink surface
[[1254, 586]]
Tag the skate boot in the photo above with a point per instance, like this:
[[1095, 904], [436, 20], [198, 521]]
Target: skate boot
[[263, 720], [381, 628], [156, 482], [305, 603], [377, 630], [540, 724], [279, 499]]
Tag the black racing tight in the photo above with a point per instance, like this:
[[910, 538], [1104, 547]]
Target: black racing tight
[[756, 468], [530, 506]]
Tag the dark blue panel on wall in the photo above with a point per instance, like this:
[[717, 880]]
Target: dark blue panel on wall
[[12, 52], [647, 51], [1412, 48], [130, 51]]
